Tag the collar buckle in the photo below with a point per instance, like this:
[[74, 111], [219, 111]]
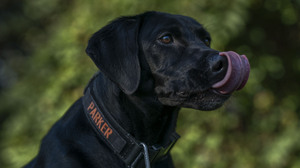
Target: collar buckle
[[154, 153]]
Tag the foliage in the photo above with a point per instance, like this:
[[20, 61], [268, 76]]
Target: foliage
[[43, 70]]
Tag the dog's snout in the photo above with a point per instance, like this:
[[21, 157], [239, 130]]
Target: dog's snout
[[218, 64], [218, 67]]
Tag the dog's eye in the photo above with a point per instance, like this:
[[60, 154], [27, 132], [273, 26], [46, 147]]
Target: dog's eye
[[166, 39], [207, 42]]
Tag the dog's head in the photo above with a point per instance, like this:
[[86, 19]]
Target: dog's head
[[184, 70]]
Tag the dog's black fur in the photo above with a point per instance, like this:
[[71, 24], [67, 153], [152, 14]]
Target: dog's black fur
[[151, 65]]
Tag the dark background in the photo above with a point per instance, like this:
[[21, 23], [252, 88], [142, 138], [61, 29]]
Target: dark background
[[44, 69]]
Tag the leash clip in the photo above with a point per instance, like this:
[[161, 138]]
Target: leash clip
[[146, 157]]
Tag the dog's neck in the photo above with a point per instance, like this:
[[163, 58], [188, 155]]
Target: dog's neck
[[140, 114]]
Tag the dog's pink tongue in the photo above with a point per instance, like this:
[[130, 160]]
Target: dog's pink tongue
[[237, 73]]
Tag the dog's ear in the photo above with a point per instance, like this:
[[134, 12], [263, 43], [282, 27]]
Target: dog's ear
[[114, 49]]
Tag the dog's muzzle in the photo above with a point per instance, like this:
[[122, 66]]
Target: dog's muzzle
[[237, 74]]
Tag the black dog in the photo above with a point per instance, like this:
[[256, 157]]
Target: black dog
[[151, 65]]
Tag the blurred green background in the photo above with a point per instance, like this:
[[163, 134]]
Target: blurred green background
[[44, 69]]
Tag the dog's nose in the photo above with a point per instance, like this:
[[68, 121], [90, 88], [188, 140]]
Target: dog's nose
[[218, 66]]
